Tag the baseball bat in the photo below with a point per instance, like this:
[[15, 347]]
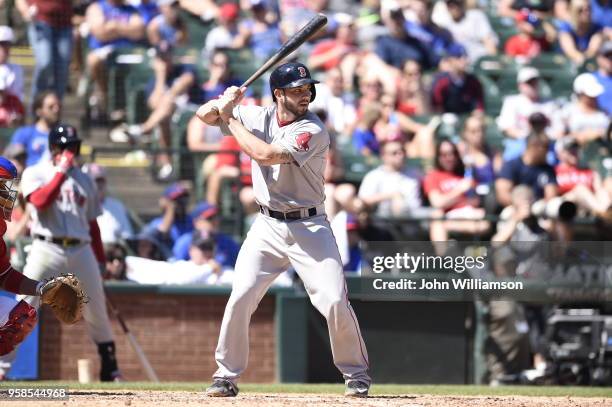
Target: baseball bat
[[297, 39], [144, 362]]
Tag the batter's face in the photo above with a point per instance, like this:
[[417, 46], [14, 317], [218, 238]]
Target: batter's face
[[295, 100]]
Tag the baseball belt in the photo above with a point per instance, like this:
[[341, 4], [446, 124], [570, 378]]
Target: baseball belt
[[61, 241], [298, 214]]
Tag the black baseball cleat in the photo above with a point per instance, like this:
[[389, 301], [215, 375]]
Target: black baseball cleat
[[356, 388], [222, 388]]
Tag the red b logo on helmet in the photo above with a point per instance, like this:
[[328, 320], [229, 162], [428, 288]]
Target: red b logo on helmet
[[302, 141], [302, 71]]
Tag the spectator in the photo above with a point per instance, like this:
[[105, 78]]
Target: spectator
[[577, 184], [221, 77], [206, 225], [226, 34], [338, 105], [260, 33], [12, 73], [147, 9], [12, 111], [469, 27], [167, 27], [371, 91], [448, 189], [46, 109], [531, 40], [174, 221], [172, 86], [478, 157], [398, 46], [50, 36], [392, 190], [113, 24], [412, 98], [201, 137], [437, 41], [580, 38], [232, 163], [582, 118], [340, 52], [116, 268], [365, 140], [513, 119], [114, 222], [529, 169], [604, 76], [456, 90], [151, 243]]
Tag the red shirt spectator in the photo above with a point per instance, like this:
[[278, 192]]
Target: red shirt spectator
[[56, 13], [230, 159], [568, 177], [445, 182], [524, 46], [11, 110]]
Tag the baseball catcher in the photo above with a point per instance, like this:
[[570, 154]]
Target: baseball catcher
[[63, 294]]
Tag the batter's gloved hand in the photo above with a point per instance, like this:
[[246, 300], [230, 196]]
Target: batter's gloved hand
[[65, 296], [65, 161], [225, 107]]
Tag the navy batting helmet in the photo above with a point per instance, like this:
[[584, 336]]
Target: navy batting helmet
[[291, 75], [63, 136]]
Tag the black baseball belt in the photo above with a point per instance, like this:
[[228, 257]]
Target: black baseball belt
[[291, 215], [61, 241]]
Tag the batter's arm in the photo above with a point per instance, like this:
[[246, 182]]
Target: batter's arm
[[257, 149], [209, 113]]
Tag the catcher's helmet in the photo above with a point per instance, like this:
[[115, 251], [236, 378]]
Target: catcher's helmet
[[292, 75], [63, 136], [8, 194]]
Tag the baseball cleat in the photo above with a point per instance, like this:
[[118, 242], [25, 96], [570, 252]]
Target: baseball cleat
[[356, 388], [222, 388]]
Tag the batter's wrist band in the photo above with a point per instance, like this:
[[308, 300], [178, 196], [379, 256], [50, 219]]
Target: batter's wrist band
[[39, 287]]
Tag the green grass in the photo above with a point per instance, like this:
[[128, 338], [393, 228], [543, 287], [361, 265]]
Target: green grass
[[377, 389]]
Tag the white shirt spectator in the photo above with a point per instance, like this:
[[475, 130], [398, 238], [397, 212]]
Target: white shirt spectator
[[470, 31], [382, 181], [13, 74], [577, 120], [114, 222], [516, 110], [340, 111]]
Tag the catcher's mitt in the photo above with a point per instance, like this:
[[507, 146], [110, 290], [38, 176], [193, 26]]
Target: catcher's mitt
[[65, 296]]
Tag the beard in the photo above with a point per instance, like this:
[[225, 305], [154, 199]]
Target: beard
[[294, 108]]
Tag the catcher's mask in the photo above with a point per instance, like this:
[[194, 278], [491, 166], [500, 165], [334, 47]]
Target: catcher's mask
[[8, 192]]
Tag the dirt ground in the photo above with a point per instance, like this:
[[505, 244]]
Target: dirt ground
[[85, 398]]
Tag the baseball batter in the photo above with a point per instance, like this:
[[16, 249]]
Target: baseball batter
[[288, 145], [66, 235]]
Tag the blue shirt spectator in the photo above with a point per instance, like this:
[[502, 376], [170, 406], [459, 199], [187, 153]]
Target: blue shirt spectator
[[182, 221], [601, 13], [35, 138], [206, 224], [581, 41], [436, 40], [226, 249], [535, 176], [395, 51], [34, 141], [365, 139], [604, 76], [148, 9], [121, 13]]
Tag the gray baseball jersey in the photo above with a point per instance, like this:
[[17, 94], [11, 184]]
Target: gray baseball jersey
[[272, 246], [283, 187], [75, 206]]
